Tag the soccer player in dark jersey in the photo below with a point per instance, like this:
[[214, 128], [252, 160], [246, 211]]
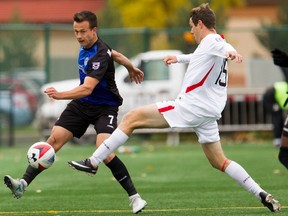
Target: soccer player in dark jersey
[[95, 101], [275, 96], [280, 59]]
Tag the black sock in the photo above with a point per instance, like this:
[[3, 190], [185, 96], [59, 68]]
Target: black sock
[[30, 174], [121, 174], [283, 156]]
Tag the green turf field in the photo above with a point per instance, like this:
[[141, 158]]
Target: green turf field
[[173, 180]]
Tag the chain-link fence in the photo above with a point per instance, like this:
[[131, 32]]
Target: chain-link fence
[[37, 54]]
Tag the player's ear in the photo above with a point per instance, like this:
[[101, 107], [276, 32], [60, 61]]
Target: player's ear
[[200, 23], [94, 30]]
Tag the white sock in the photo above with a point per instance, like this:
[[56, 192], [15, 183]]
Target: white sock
[[238, 173], [116, 139]]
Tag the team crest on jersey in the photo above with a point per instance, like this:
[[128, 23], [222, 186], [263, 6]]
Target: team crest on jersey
[[95, 65]]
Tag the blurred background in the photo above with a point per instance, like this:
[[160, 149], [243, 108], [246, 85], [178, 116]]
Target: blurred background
[[37, 46]]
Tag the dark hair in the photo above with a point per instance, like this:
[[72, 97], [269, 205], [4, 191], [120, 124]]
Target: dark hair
[[86, 16], [205, 14]]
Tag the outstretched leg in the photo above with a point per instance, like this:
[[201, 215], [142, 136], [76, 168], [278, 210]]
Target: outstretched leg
[[216, 157]]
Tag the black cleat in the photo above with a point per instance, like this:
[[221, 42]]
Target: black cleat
[[84, 166], [268, 200]]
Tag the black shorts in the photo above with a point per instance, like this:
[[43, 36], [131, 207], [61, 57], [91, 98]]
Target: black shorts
[[77, 116]]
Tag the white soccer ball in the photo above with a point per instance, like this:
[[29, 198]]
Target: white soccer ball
[[41, 155]]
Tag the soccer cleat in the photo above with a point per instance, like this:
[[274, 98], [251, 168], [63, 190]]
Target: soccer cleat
[[268, 200], [16, 186], [84, 166], [137, 203]]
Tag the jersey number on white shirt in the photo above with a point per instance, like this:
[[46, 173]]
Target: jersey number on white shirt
[[222, 78]]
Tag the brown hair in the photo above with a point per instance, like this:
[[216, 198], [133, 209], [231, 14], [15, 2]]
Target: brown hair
[[205, 14], [86, 16]]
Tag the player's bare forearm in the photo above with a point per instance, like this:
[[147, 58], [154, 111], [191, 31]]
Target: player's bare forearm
[[78, 92], [75, 93], [135, 74], [121, 59]]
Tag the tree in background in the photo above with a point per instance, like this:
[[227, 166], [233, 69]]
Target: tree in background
[[17, 47], [159, 13], [274, 35], [164, 20]]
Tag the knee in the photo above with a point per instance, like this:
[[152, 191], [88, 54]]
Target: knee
[[129, 119]]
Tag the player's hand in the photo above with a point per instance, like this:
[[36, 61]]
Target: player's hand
[[52, 93], [136, 75], [234, 56], [170, 59], [280, 58]]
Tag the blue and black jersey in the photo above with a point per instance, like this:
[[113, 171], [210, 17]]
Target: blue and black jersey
[[98, 63]]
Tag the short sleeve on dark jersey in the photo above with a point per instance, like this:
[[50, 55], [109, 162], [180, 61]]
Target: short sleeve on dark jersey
[[98, 64]]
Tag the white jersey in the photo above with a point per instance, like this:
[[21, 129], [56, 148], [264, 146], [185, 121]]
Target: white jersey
[[203, 94], [204, 88]]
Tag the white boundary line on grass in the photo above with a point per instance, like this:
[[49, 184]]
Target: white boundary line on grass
[[128, 211]]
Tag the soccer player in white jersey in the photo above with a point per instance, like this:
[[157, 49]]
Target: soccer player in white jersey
[[199, 105]]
